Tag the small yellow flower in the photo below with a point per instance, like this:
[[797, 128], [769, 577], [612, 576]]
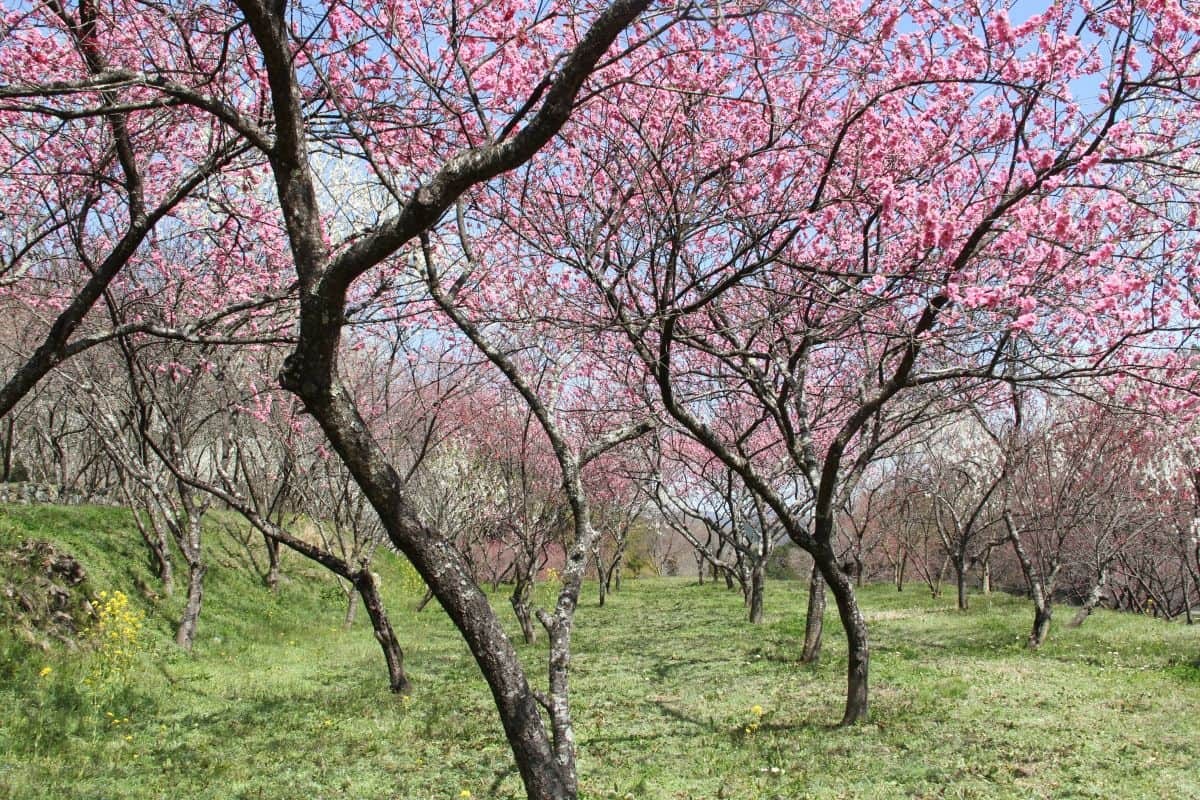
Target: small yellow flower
[[757, 710], [44, 671], [465, 793], [129, 738]]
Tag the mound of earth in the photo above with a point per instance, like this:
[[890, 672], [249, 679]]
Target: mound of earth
[[43, 593]]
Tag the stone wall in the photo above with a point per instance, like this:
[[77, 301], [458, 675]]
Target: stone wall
[[30, 493]]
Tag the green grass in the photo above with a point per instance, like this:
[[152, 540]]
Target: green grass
[[279, 702]]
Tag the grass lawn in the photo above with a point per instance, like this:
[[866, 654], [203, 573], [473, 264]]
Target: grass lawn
[[278, 701]]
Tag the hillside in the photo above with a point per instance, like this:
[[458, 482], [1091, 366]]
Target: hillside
[[278, 701]]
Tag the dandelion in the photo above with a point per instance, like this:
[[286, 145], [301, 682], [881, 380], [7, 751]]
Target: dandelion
[[45, 672], [757, 710], [465, 793]]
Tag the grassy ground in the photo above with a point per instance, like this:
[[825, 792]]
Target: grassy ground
[[279, 702]]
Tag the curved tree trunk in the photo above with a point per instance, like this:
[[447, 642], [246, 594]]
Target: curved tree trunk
[[857, 644], [424, 601], [519, 599], [1042, 611], [155, 536], [815, 620], [1093, 600], [368, 589], [160, 551]]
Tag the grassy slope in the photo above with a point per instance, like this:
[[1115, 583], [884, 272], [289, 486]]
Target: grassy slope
[[279, 702]]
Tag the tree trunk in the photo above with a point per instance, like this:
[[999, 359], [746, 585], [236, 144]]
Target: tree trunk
[[1041, 624], [935, 585], [815, 620], [857, 645], [603, 577], [159, 546], [310, 372], [1093, 600], [757, 580], [185, 635], [960, 579], [160, 560], [1041, 601], [425, 600], [351, 606], [1195, 576], [272, 577], [364, 581], [899, 571], [188, 538], [987, 575], [155, 536], [6, 475], [520, 603]]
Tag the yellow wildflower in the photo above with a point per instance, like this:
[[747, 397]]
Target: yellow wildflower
[[44, 671], [757, 710], [465, 793]]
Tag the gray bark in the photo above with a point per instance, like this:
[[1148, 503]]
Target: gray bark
[[757, 581], [1093, 600], [815, 619], [185, 634]]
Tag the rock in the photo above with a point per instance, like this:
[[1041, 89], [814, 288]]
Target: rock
[[43, 592]]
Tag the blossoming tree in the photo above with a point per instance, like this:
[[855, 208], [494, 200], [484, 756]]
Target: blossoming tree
[[804, 220]]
